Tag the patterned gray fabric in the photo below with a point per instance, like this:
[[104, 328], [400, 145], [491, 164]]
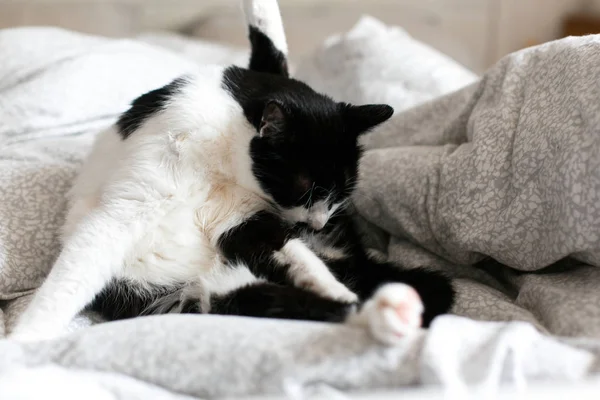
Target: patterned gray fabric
[[507, 168], [503, 168]]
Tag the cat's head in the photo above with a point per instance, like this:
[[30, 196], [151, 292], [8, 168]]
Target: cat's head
[[306, 152]]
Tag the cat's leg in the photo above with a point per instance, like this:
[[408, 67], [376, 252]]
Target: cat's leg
[[90, 257], [270, 249], [270, 300], [391, 314], [433, 289], [396, 301]]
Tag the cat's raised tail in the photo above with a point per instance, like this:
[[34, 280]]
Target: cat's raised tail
[[267, 37]]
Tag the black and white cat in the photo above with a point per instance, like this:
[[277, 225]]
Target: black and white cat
[[225, 192]]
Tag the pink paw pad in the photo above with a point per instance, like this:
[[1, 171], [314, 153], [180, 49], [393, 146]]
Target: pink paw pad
[[406, 309], [394, 311]]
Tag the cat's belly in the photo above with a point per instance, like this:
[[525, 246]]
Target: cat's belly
[[174, 251]]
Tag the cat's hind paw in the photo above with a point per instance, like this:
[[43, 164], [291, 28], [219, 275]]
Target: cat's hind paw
[[392, 313]]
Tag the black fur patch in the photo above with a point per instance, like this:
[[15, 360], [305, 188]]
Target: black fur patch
[[122, 299], [270, 300], [253, 243], [191, 306], [265, 57], [147, 105]]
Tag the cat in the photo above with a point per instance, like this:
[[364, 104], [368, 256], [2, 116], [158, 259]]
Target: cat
[[226, 192]]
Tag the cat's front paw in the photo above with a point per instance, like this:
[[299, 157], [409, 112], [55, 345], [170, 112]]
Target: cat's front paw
[[394, 311], [341, 293], [332, 290]]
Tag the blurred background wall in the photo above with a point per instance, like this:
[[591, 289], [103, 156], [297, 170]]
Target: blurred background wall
[[474, 32]]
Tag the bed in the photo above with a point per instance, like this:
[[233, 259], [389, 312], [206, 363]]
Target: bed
[[493, 179]]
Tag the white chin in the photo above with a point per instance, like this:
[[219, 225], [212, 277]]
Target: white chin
[[296, 214]]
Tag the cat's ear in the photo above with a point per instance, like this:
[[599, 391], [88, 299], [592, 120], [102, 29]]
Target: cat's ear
[[360, 119], [273, 120]]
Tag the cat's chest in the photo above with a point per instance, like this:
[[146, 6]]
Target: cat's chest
[[182, 244]]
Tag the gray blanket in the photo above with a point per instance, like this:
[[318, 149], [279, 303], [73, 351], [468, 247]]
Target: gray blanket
[[506, 168], [509, 169]]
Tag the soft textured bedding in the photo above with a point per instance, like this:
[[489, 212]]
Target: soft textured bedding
[[505, 167]]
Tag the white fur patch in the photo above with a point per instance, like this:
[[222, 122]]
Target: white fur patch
[[316, 216], [332, 253], [323, 249], [223, 280], [265, 15], [295, 214], [308, 271]]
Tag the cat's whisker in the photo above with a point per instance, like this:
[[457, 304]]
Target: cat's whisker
[[308, 192], [312, 190]]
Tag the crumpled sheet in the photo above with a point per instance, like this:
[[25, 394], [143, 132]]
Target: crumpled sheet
[[216, 356], [507, 168], [58, 88]]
